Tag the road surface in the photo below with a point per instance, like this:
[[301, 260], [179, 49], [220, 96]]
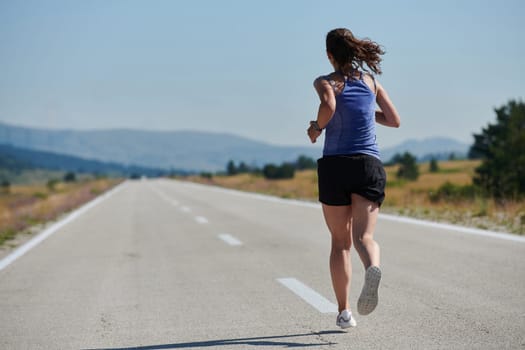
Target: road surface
[[163, 264]]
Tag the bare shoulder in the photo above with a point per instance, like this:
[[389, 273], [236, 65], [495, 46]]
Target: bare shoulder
[[333, 81], [371, 82], [322, 82]]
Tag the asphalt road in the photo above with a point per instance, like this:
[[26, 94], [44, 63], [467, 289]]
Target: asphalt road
[[162, 264]]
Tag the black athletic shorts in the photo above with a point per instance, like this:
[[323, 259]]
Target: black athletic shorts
[[340, 176]]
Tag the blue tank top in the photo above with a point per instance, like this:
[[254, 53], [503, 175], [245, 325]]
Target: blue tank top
[[352, 127]]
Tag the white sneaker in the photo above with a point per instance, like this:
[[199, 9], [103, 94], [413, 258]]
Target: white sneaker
[[368, 299], [345, 320]]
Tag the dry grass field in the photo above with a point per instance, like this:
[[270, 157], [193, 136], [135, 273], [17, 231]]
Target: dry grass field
[[402, 197], [23, 206]]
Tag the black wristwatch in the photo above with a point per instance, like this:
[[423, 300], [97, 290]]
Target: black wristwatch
[[316, 125]]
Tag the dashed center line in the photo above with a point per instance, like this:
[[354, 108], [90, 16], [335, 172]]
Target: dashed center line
[[201, 219], [309, 295], [175, 203], [230, 239], [163, 196]]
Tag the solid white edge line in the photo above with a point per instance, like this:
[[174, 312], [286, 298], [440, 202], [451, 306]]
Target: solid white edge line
[[309, 295], [229, 239], [461, 229], [17, 253]]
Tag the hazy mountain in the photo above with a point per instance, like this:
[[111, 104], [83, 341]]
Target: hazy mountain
[[437, 147], [187, 150], [15, 159]]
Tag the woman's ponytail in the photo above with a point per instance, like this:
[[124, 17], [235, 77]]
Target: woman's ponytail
[[351, 53]]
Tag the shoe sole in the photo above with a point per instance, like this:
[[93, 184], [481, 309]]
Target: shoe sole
[[348, 325], [368, 299]]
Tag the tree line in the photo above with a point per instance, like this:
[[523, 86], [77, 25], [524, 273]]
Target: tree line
[[500, 146], [285, 170]]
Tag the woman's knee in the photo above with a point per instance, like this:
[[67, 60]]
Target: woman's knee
[[341, 243]]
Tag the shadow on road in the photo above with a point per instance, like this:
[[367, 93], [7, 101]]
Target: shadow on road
[[255, 341]]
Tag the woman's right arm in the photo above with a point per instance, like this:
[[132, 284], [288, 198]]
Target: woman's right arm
[[388, 115], [326, 107], [327, 101]]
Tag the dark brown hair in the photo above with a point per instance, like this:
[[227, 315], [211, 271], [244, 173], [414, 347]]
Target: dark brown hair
[[351, 53]]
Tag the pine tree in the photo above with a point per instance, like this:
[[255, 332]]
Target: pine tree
[[231, 169], [433, 166], [408, 168], [501, 147]]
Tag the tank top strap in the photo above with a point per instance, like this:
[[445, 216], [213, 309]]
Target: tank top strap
[[373, 80]]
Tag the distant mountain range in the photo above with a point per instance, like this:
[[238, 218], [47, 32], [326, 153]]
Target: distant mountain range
[[439, 148], [186, 150], [15, 159]]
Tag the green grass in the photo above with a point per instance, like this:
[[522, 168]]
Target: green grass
[[7, 235], [450, 171]]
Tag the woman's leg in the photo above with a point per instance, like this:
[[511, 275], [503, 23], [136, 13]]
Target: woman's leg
[[364, 217], [364, 221], [339, 222]]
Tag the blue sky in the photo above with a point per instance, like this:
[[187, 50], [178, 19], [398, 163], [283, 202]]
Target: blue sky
[[247, 67]]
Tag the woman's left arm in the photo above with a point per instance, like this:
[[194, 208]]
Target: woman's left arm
[[387, 115]]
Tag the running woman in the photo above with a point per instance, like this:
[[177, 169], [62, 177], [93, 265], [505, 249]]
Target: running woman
[[350, 173]]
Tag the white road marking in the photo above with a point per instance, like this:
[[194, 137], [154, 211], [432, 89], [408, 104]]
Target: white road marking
[[166, 198], [56, 226], [450, 227], [201, 219], [185, 209], [230, 239], [309, 295], [438, 225]]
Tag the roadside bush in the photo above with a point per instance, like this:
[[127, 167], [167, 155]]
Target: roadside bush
[[454, 193], [70, 177], [284, 171], [5, 186], [52, 183], [40, 195], [242, 168], [304, 162]]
